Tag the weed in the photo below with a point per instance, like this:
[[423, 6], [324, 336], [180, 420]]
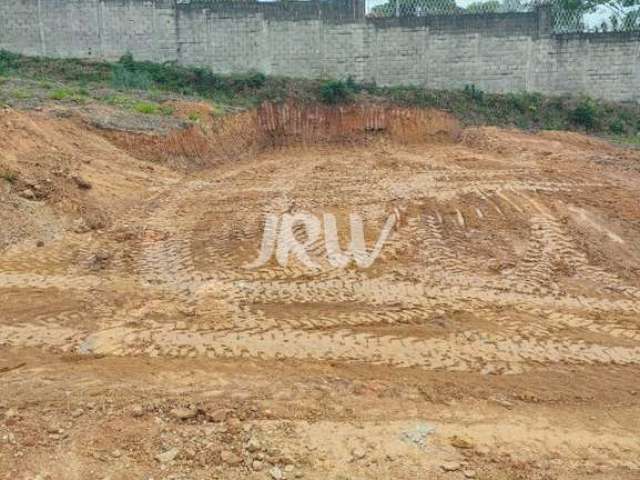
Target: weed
[[20, 94], [146, 108], [166, 110], [119, 101], [77, 96], [8, 176], [60, 94]]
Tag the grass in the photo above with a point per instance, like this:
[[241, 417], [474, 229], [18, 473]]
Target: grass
[[132, 79], [20, 94], [78, 95], [146, 108], [8, 176], [627, 140]]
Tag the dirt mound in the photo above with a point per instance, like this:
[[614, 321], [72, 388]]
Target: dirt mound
[[59, 175]]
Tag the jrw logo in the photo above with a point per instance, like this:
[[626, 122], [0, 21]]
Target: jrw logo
[[280, 239]]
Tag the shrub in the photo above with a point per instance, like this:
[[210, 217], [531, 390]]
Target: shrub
[[123, 77], [250, 80], [585, 113], [8, 61], [335, 91], [474, 93], [618, 127], [525, 102]]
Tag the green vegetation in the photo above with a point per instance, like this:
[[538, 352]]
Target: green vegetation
[[144, 86], [146, 108], [77, 95], [21, 94], [8, 175], [338, 91]]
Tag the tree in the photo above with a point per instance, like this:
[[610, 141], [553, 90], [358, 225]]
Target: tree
[[491, 6], [623, 14], [415, 8]]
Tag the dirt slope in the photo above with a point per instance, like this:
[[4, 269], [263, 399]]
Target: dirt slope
[[496, 335]]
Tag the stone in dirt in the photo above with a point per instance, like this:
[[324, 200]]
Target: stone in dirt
[[219, 415], [81, 182], [184, 413], [28, 194], [358, 453], [450, 466], [469, 473], [230, 458], [276, 473], [11, 413], [460, 442], [168, 456], [253, 445], [137, 411]]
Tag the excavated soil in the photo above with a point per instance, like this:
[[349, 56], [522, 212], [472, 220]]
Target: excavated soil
[[496, 336]]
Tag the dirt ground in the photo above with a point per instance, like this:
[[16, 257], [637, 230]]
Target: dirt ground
[[497, 335]]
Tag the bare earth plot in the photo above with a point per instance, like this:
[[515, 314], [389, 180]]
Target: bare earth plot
[[496, 336]]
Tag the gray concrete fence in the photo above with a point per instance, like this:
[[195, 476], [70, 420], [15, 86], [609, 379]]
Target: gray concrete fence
[[505, 52]]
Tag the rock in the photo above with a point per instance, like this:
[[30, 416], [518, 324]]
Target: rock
[[276, 473], [11, 413], [504, 403], [81, 182], [253, 445], [184, 413], [219, 415], [116, 453], [168, 456], [230, 458], [288, 468], [40, 243], [257, 465], [53, 429], [137, 411], [28, 194], [469, 473], [460, 442], [450, 466], [78, 412], [482, 451], [358, 453], [81, 226]]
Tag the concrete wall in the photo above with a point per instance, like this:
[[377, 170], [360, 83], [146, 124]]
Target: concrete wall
[[331, 38]]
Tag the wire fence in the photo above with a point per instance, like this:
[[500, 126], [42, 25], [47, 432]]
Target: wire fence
[[568, 16]]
